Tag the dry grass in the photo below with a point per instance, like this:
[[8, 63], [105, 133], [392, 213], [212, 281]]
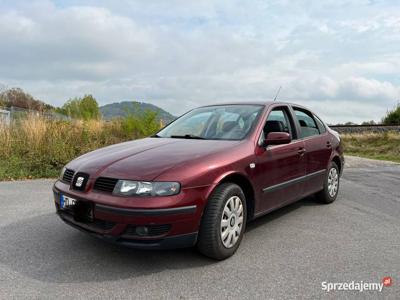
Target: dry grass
[[35, 147], [383, 146]]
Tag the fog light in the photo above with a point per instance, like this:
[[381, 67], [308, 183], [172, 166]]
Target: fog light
[[142, 230]]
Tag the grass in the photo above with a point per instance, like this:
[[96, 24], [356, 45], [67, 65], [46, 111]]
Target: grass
[[382, 146], [34, 147]]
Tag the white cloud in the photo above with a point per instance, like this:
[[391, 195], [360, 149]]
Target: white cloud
[[12, 23], [371, 89], [181, 54], [344, 110]]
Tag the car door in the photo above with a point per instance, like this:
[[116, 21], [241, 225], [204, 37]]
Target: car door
[[318, 148], [279, 167]]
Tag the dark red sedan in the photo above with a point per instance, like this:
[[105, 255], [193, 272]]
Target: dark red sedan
[[202, 178]]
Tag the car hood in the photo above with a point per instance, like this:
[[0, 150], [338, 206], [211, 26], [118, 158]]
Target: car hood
[[147, 158]]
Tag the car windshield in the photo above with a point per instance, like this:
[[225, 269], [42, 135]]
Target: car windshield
[[221, 122]]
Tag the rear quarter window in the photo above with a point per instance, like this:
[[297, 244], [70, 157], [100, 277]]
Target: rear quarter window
[[320, 124]]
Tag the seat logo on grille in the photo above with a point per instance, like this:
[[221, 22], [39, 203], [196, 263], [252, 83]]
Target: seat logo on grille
[[79, 181]]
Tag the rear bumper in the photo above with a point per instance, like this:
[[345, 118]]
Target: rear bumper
[[167, 227]]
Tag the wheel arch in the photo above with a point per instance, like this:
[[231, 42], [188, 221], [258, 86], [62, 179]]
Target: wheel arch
[[246, 186], [336, 159]]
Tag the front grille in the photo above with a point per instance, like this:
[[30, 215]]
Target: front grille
[[105, 184], [153, 230], [68, 175]]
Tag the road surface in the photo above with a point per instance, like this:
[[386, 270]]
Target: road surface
[[286, 254]]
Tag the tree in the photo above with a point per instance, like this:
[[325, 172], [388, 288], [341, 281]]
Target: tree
[[372, 122], [143, 124], [2, 100], [392, 117], [18, 98], [85, 108]]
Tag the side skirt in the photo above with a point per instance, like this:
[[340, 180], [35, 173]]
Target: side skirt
[[293, 181], [286, 184]]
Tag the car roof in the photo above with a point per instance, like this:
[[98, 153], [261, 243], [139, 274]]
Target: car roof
[[263, 103]]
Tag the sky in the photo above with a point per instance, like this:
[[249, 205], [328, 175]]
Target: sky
[[339, 58]]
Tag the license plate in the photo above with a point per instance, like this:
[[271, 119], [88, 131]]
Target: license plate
[[66, 202]]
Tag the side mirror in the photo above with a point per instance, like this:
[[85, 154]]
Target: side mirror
[[277, 138]]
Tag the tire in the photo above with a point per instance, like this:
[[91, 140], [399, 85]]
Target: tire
[[330, 190], [223, 222]]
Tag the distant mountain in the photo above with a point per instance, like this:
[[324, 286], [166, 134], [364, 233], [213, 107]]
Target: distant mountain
[[122, 109]]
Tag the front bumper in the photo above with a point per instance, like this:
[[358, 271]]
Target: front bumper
[[168, 227], [169, 242]]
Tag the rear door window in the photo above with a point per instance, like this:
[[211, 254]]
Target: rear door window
[[307, 124]]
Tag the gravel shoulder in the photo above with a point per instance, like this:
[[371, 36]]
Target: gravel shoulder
[[359, 162]]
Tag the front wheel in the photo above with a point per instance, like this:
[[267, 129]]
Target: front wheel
[[223, 222], [331, 185]]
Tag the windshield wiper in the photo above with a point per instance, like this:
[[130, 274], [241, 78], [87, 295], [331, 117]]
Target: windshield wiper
[[155, 136], [187, 136]]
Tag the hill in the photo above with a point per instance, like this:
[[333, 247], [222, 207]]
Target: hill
[[122, 109]]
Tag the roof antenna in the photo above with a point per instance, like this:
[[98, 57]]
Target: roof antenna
[[277, 93]]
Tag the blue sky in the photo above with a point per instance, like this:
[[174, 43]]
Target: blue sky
[[340, 58]]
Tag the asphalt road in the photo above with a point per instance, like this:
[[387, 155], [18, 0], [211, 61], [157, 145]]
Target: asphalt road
[[286, 254]]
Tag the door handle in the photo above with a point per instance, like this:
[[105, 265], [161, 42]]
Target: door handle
[[301, 151], [328, 144]]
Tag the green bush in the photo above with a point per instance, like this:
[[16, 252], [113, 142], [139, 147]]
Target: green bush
[[85, 108], [392, 117], [143, 125]]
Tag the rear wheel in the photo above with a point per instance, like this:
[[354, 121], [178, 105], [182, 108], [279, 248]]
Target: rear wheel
[[331, 185], [223, 223]]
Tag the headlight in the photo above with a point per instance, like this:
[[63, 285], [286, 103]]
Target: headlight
[[143, 188], [62, 172]]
